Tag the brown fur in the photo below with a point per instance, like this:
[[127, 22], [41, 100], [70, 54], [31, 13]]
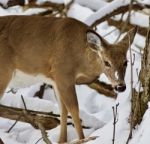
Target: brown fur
[[58, 49]]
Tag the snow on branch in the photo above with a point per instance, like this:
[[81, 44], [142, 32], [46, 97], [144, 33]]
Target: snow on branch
[[112, 9], [109, 8]]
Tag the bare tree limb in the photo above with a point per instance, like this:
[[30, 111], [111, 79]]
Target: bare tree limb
[[119, 24], [33, 4]]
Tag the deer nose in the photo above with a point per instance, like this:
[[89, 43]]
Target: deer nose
[[120, 88]]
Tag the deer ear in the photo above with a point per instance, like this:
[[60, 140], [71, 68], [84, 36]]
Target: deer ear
[[93, 40], [128, 38]]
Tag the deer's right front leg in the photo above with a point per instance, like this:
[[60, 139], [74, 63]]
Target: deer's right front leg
[[67, 95]]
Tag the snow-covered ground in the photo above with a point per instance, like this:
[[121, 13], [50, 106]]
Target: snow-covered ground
[[95, 109]]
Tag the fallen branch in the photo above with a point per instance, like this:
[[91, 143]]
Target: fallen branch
[[48, 120]]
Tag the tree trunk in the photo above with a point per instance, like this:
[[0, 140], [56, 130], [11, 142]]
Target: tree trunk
[[140, 99]]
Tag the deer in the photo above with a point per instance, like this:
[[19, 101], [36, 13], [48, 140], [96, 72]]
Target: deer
[[64, 52]]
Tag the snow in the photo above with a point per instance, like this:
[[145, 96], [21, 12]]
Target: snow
[[94, 5], [141, 133], [144, 1], [74, 12], [95, 109]]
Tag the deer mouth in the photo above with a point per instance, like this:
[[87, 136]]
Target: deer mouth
[[120, 88]]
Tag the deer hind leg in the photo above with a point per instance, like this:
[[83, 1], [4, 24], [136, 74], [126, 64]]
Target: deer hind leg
[[69, 99]]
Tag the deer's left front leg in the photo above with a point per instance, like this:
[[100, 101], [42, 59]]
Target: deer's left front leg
[[66, 87]]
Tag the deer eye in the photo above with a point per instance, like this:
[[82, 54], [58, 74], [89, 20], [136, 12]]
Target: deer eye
[[125, 64], [107, 64]]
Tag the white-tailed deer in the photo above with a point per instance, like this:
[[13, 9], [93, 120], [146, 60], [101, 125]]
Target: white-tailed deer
[[64, 50]]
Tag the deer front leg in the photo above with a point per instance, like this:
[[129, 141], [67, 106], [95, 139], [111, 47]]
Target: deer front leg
[[67, 94], [103, 88]]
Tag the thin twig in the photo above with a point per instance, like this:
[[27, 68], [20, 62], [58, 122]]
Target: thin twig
[[123, 28], [127, 20], [67, 7], [12, 90], [84, 140], [110, 32], [115, 113], [18, 117], [24, 102], [14, 124], [38, 140]]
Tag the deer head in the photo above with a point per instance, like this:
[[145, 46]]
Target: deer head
[[112, 57]]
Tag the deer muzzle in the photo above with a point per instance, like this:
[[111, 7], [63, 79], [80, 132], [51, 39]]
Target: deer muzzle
[[120, 87]]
